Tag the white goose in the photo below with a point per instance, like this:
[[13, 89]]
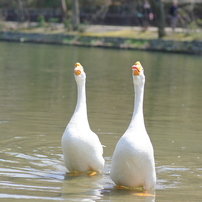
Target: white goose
[[81, 147], [133, 159]]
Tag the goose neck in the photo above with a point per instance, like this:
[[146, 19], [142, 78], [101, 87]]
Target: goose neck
[[138, 104], [81, 98]]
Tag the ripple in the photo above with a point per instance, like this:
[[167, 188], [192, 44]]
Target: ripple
[[4, 121], [15, 196]]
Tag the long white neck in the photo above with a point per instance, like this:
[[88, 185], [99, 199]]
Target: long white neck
[[81, 97], [81, 107], [138, 117]]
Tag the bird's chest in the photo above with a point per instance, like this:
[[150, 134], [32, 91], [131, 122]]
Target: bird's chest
[[135, 140], [78, 125]]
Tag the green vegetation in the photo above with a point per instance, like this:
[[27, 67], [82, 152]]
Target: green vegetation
[[126, 33], [62, 16], [41, 21]]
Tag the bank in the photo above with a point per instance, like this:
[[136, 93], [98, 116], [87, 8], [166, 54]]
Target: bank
[[165, 45]]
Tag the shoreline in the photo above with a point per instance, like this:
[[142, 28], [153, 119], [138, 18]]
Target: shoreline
[[98, 39]]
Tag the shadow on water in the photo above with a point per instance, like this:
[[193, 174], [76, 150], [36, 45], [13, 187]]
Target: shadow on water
[[82, 187]]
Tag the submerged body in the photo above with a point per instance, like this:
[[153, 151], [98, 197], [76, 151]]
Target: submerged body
[[81, 147], [133, 159]]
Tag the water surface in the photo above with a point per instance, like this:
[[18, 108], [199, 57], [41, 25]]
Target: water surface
[[37, 99]]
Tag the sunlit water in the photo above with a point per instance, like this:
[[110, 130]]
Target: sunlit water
[[37, 99]]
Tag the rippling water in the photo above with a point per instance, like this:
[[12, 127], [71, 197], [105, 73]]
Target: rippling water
[[37, 99]]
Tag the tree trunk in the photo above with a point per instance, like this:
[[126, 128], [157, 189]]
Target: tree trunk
[[158, 8], [75, 14], [20, 14], [64, 9]]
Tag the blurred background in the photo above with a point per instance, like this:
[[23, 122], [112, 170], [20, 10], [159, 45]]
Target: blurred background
[[102, 12]]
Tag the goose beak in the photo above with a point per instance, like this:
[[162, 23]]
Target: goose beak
[[136, 68], [77, 69]]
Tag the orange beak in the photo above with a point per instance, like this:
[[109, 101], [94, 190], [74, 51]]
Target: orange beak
[[77, 69], [77, 64], [136, 68]]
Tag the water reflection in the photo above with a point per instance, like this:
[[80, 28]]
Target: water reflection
[[82, 187], [38, 97]]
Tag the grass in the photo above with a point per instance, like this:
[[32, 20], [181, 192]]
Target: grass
[[125, 32], [138, 34]]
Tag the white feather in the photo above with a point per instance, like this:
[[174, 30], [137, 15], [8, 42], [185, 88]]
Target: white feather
[[81, 147], [133, 159]]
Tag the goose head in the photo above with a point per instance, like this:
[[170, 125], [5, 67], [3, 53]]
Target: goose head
[[138, 73], [79, 72]]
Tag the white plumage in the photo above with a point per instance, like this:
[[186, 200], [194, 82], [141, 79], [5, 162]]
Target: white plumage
[[133, 159], [81, 147]]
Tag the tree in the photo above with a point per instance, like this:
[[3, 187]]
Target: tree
[[158, 8], [20, 13], [64, 9], [75, 14]]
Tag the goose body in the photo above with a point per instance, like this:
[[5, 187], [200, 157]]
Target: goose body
[[133, 158], [81, 147]]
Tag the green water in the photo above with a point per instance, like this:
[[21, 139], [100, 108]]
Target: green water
[[37, 99]]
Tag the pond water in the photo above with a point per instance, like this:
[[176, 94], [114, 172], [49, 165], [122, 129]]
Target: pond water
[[38, 97]]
